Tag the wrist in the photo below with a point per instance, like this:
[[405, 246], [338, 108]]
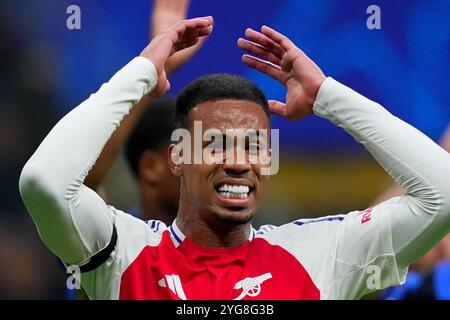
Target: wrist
[[317, 84], [148, 72]]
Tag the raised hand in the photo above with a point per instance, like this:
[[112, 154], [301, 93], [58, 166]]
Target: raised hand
[[181, 35], [166, 13], [275, 55]]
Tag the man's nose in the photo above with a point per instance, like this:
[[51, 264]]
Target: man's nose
[[235, 169], [236, 164]]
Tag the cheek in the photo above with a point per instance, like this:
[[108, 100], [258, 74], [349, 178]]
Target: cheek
[[263, 180], [197, 177]]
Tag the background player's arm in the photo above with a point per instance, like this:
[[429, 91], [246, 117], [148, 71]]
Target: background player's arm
[[402, 228], [72, 220], [165, 13]]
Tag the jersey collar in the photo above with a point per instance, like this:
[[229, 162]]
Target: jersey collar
[[177, 236]]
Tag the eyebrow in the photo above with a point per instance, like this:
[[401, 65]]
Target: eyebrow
[[248, 133]]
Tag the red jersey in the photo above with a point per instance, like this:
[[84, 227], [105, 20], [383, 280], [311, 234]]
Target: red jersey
[[299, 260]]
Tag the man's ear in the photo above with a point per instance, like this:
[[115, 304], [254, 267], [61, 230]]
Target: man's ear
[[174, 158], [151, 166]]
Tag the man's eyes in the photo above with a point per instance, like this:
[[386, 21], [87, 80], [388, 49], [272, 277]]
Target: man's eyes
[[253, 147], [219, 147], [248, 145]]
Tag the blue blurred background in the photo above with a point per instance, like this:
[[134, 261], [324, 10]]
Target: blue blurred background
[[404, 66], [46, 70]]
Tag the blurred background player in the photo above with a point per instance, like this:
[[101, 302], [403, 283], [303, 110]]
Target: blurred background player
[[158, 188]]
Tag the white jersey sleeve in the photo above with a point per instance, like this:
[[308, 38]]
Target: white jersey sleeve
[[351, 255], [72, 220]]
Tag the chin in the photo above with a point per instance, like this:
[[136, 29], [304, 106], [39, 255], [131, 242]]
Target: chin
[[234, 217]]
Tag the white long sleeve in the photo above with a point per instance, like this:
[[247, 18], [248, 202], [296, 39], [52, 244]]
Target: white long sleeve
[[420, 166], [401, 229], [73, 220]]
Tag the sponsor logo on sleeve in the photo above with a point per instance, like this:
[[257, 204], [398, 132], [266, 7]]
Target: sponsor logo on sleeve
[[366, 215]]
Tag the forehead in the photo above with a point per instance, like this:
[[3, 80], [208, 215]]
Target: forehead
[[230, 114]]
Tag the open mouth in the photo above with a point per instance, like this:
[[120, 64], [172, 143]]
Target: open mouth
[[234, 191]]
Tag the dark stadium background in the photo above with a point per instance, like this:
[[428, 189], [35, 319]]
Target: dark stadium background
[[46, 70]]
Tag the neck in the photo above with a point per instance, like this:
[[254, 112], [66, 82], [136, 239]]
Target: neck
[[211, 233]]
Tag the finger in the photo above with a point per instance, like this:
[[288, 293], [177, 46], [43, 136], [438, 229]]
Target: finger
[[192, 38], [205, 31], [258, 50], [209, 19], [263, 40], [188, 35], [200, 22], [277, 107], [190, 50], [272, 70], [279, 38], [191, 26], [186, 44]]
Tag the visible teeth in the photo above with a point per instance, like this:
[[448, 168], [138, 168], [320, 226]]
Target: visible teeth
[[233, 195], [239, 189]]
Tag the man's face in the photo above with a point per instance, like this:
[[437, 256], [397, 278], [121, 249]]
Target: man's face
[[228, 192]]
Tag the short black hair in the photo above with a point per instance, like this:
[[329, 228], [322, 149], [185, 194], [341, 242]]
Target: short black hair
[[216, 87], [152, 132]]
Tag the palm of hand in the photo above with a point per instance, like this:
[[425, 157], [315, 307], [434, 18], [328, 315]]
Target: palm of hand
[[301, 89], [278, 57], [183, 34]]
